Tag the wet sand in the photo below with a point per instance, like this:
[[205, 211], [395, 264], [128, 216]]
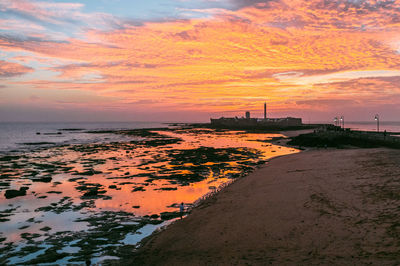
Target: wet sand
[[336, 207]]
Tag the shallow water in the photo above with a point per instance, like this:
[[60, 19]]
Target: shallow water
[[95, 200]]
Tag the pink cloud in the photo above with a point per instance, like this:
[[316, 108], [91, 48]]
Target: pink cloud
[[8, 69]]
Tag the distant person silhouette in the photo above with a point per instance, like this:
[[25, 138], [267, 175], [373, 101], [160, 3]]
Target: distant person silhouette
[[181, 209], [384, 134]]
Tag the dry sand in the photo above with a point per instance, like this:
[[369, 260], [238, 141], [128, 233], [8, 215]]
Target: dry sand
[[336, 207]]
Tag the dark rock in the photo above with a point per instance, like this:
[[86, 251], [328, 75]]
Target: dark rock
[[89, 172], [54, 192], [94, 193], [23, 227], [138, 189], [29, 236], [169, 215], [167, 188], [46, 228], [12, 193], [90, 193], [9, 158], [45, 179]]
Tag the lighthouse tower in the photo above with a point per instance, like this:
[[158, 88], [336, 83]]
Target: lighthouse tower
[[265, 111]]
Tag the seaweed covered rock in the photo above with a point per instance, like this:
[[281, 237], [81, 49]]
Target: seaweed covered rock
[[44, 179], [169, 215], [12, 193], [93, 193]]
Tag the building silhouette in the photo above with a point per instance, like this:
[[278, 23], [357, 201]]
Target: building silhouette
[[248, 122]]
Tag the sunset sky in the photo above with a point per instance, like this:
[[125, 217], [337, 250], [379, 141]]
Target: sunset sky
[[188, 60]]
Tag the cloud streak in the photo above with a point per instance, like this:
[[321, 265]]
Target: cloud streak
[[8, 69]]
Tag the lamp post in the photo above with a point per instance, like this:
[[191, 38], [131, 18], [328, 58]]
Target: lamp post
[[342, 121], [377, 122], [336, 121]]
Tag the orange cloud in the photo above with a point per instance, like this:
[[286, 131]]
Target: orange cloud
[[233, 61]]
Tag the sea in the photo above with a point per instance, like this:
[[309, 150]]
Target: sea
[[22, 136]]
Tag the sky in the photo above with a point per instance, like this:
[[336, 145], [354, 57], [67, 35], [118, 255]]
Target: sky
[[187, 60]]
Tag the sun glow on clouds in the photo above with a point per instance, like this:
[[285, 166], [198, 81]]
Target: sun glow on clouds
[[300, 55]]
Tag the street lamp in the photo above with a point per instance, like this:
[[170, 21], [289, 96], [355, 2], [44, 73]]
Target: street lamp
[[377, 122], [342, 121], [335, 120]]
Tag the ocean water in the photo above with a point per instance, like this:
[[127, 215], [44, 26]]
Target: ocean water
[[23, 136]]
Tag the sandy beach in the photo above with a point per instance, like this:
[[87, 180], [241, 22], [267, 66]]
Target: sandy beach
[[317, 207]]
